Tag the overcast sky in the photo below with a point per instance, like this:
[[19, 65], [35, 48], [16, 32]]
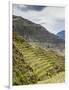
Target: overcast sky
[[52, 18]]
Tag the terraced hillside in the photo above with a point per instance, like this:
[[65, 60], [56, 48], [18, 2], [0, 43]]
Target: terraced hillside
[[58, 78], [31, 65], [22, 72]]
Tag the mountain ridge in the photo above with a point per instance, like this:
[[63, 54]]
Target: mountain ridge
[[36, 33]]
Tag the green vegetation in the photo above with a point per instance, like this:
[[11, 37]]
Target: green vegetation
[[33, 65], [58, 78], [22, 72]]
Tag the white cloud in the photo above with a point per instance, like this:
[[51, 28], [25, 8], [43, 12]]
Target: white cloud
[[52, 18]]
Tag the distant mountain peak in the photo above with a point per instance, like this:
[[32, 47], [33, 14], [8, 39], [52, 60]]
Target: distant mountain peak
[[61, 34]]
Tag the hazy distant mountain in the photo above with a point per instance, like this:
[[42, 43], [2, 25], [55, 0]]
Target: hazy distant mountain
[[61, 34], [36, 33]]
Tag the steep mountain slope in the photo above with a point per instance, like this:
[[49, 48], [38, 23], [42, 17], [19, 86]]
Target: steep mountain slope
[[61, 35], [36, 33], [31, 65]]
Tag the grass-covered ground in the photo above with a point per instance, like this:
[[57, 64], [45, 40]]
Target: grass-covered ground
[[34, 65], [58, 78]]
